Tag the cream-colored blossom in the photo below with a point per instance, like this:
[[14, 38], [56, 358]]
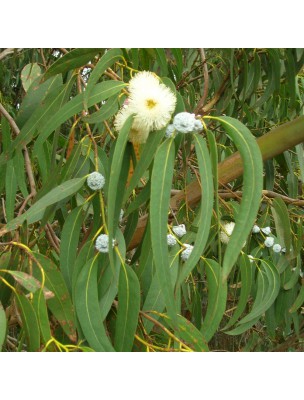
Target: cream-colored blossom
[[152, 104]]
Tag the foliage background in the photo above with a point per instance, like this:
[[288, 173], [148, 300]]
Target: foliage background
[[67, 132]]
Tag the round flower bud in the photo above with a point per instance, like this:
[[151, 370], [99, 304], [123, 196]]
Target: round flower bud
[[256, 229], [171, 241], [170, 131], [266, 230], [251, 258], [269, 241], [96, 181], [198, 126], [226, 232], [186, 253], [277, 248], [102, 243], [179, 230], [184, 122]]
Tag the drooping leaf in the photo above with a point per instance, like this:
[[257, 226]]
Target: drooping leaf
[[252, 188], [60, 305], [69, 244], [73, 59], [128, 309], [106, 61], [205, 213], [87, 307], [3, 326], [35, 213], [217, 296], [161, 181], [29, 322]]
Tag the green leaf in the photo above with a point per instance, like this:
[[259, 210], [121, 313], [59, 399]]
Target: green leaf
[[36, 211], [252, 188], [116, 167], [139, 200], [205, 213], [69, 244], [154, 300], [29, 74], [128, 309], [271, 284], [290, 68], [40, 117], [190, 334], [74, 59], [100, 92], [298, 301], [39, 304], [30, 283], [20, 172], [217, 296], [282, 222], [108, 59], [87, 307], [3, 326], [60, 305], [246, 280], [29, 322], [11, 190], [106, 111], [161, 182], [108, 279], [34, 96], [162, 61], [145, 160]]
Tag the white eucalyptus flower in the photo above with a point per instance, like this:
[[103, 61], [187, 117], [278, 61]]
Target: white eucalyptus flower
[[151, 102]]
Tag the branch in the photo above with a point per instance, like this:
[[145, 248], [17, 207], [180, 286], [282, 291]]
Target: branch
[[7, 52], [272, 144]]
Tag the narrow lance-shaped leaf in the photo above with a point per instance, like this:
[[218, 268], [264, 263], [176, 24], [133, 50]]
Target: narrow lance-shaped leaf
[[116, 166], [29, 322], [74, 59], [217, 296], [69, 243], [87, 307], [252, 188], [161, 182], [105, 62], [128, 309], [60, 305], [3, 326], [204, 222], [35, 213]]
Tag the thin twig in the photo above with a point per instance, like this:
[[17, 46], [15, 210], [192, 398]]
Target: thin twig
[[201, 102]]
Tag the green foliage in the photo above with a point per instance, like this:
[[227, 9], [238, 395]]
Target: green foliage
[[58, 293]]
